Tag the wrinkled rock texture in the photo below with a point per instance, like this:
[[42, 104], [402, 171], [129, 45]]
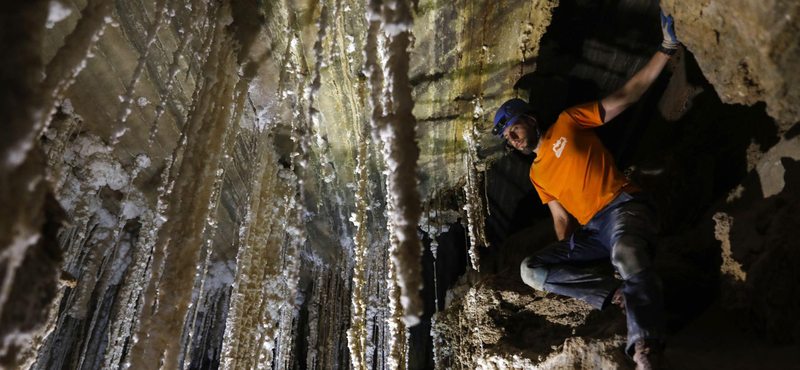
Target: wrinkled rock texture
[[503, 324], [760, 228], [747, 49]]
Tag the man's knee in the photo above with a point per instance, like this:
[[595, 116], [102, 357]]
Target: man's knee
[[630, 255], [533, 276]]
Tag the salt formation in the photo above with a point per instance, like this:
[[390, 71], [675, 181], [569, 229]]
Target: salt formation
[[187, 253], [196, 7], [260, 292], [130, 90], [400, 139], [473, 205], [167, 298], [59, 74], [31, 92], [394, 125], [357, 334]]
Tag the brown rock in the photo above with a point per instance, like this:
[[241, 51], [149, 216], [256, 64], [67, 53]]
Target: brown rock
[[747, 49]]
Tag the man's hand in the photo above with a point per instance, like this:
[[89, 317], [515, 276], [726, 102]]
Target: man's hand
[[563, 222], [633, 90], [668, 29]]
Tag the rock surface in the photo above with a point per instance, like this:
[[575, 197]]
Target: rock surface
[[747, 49], [502, 324]]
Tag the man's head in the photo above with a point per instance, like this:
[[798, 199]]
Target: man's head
[[516, 122]]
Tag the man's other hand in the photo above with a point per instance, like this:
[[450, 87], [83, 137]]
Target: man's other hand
[[668, 29]]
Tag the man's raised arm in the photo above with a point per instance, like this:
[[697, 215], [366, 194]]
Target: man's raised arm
[[633, 90]]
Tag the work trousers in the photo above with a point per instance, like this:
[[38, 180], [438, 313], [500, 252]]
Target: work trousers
[[625, 231]]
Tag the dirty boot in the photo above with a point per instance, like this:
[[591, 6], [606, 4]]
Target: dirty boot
[[649, 356]]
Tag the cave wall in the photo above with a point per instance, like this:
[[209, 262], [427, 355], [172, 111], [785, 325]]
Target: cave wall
[[746, 49], [192, 135], [141, 91]]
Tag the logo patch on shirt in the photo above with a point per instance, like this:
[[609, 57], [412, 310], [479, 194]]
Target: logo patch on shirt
[[558, 147]]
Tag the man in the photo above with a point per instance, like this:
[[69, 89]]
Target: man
[[575, 175]]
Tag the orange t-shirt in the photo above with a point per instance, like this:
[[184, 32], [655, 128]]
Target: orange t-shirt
[[574, 167]]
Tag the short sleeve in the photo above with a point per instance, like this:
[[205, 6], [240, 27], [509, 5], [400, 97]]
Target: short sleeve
[[543, 194], [586, 115]]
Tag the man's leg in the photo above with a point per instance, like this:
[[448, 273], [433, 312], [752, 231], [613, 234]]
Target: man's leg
[[635, 231], [549, 269]]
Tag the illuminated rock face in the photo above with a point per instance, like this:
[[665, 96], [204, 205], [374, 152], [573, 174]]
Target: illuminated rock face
[[235, 183], [746, 50], [170, 121]]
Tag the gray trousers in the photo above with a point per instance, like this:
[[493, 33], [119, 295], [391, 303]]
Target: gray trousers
[[625, 232]]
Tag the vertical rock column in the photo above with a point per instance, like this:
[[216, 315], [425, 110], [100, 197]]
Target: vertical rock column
[[357, 334], [399, 137], [473, 205], [259, 285], [28, 250], [167, 299]]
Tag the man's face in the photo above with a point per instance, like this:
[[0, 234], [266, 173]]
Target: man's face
[[521, 135]]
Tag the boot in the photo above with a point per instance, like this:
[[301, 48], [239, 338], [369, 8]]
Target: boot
[[649, 356]]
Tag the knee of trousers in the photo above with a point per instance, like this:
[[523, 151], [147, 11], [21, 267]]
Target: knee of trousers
[[630, 255], [533, 276]]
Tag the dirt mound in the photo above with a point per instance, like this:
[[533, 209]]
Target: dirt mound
[[502, 324]]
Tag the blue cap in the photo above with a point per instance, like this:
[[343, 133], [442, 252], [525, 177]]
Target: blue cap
[[509, 112]]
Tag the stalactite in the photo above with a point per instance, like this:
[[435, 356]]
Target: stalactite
[[437, 343], [403, 153], [202, 273], [241, 92], [257, 247], [302, 129], [435, 226], [115, 265], [326, 315], [60, 74], [181, 240], [395, 325], [373, 68], [263, 312], [389, 317], [23, 33], [28, 358], [377, 300], [126, 99], [341, 313], [124, 321], [96, 226], [58, 141], [21, 173], [291, 275], [313, 315], [311, 92], [186, 37], [286, 329], [473, 206], [357, 334]]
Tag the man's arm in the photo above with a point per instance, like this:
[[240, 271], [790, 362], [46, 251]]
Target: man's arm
[[633, 90], [563, 222]]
